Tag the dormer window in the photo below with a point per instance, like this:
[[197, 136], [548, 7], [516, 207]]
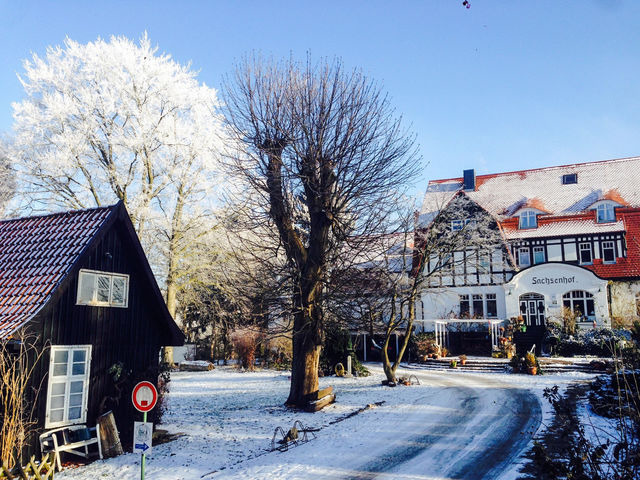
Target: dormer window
[[606, 212], [529, 219]]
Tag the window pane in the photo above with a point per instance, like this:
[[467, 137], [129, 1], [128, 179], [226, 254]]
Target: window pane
[[56, 415], [58, 388], [478, 308], [104, 285], [59, 369], [555, 253], [79, 355], [61, 356], [87, 286], [585, 253], [76, 387], [492, 307], [464, 306], [57, 401], [117, 294], [77, 369], [608, 252], [538, 255], [570, 254], [74, 413], [75, 400]]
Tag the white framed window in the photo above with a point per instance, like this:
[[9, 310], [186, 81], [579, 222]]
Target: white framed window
[[492, 305], [586, 256], [608, 252], [581, 303], [102, 289], [523, 257], [478, 306], [538, 255], [464, 306], [68, 385], [606, 212], [528, 219]]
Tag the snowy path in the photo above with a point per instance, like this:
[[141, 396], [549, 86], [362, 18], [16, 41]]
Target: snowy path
[[462, 427], [484, 429]]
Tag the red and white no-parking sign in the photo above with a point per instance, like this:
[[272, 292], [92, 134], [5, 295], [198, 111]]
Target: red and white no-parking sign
[[144, 396]]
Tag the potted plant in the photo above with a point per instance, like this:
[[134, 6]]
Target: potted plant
[[531, 363], [463, 359], [453, 364]]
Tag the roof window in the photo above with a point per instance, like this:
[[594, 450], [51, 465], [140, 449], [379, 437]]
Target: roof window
[[528, 219], [569, 178]]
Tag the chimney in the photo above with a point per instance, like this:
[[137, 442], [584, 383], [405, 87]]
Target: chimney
[[469, 179]]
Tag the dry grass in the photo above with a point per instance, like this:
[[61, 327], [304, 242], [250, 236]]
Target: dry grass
[[18, 358]]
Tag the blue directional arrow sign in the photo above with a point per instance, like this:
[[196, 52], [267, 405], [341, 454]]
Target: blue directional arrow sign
[[142, 433]]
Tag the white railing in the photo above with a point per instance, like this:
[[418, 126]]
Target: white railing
[[441, 328]]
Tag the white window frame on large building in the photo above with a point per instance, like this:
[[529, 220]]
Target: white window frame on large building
[[605, 212], [528, 219], [68, 385]]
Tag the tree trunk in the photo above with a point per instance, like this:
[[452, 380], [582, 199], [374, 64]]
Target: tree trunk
[[389, 369], [167, 351], [307, 344]]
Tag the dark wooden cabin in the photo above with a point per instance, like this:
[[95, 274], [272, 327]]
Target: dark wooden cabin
[[80, 282]]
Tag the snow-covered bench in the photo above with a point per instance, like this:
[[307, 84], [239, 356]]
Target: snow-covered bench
[[74, 439]]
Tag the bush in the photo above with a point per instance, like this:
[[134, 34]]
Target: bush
[[423, 345], [245, 343], [280, 352], [600, 342], [18, 360]]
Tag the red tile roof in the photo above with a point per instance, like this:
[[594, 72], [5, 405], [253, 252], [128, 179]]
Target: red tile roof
[[36, 253]]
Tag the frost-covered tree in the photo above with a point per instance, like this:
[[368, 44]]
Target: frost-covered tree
[[114, 120], [7, 179], [325, 156]]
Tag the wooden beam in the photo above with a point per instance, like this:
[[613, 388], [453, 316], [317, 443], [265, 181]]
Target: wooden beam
[[318, 394], [320, 404]]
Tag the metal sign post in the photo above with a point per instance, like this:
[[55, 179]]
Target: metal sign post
[[144, 398]]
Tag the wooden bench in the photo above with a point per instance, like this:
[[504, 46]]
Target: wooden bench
[[74, 439]]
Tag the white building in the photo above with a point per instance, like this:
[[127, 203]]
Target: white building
[[548, 238]]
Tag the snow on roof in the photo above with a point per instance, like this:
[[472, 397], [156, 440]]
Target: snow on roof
[[559, 229], [503, 194]]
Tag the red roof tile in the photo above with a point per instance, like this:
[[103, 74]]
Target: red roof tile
[[36, 253]]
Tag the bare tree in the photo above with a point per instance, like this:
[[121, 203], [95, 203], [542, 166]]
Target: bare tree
[[326, 158]]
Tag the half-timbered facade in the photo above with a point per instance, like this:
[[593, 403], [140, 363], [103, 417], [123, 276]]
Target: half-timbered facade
[[80, 285], [570, 241]]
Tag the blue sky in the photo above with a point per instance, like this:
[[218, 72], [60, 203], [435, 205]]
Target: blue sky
[[504, 85]]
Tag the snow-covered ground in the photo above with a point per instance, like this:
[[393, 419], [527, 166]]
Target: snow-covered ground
[[451, 424]]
